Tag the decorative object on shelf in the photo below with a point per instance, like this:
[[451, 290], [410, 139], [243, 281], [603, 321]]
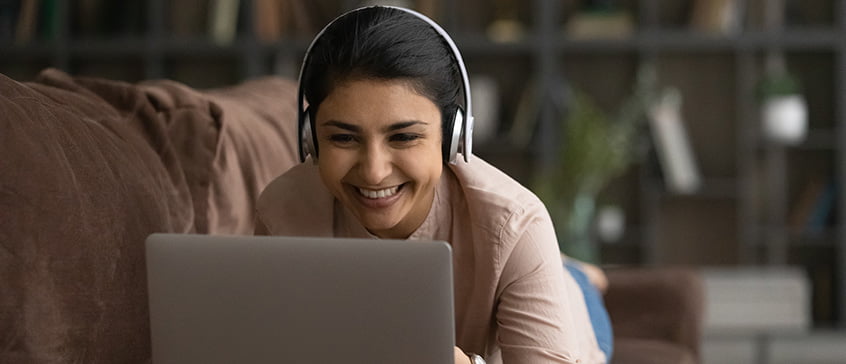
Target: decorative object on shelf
[[600, 19], [717, 16], [485, 92], [610, 223], [506, 26], [593, 150], [784, 112], [669, 136], [526, 116]]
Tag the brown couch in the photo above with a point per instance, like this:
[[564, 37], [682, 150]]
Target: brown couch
[[656, 314], [90, 167]]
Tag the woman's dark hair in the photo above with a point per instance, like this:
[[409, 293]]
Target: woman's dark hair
[[382, 43]]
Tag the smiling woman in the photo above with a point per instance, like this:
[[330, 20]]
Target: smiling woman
[[380, 144], [389, 143]]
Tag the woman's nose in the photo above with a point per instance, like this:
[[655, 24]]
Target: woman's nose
[[375, 164]]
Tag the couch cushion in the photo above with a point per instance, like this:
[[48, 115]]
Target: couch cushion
[[255, 129], [91, 167], [646, 351], [663, 304], [81, 186]]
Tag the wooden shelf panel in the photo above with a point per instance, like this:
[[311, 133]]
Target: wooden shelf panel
[[691, 41]]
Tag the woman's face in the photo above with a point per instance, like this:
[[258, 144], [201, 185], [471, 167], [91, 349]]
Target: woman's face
[[380, 153]]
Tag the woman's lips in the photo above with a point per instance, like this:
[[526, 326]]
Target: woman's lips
[[378, 199], [374, 194]]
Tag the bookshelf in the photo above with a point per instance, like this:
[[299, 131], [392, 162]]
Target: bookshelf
[[739, 217]]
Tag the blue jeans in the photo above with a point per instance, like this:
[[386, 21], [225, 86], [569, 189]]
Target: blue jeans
[[596, 309]]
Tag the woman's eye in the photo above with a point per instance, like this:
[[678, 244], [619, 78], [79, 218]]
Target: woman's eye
[[342, 138], [404, 137]]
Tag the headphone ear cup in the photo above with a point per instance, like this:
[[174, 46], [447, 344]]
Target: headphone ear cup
[[307, 137], [453, 125]]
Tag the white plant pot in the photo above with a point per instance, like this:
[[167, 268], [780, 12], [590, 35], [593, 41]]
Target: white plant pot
[[785, 119]]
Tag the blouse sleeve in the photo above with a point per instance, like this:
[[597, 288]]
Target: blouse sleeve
[[541, 314]]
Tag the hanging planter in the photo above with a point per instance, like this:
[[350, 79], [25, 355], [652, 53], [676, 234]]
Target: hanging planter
[[784, 112]]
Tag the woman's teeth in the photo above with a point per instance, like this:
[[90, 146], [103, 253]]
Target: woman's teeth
[[387, 192]]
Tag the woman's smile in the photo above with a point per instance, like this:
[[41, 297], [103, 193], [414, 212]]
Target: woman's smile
[[378, 198]]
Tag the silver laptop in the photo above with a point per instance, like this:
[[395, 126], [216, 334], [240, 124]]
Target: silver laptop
[[245, 299]]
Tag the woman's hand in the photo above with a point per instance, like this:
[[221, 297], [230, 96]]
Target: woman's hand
[[460, 357], [595, 274]]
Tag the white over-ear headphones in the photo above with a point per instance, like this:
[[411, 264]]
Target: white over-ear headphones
[[460, 122]]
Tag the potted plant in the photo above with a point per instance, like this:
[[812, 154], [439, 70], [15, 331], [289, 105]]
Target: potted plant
[[784, 112], [594, 148]]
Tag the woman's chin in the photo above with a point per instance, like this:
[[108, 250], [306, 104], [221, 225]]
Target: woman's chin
[[380, 227]]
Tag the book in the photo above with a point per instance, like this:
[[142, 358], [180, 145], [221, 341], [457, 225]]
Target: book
[[188, 18], [48, 20], [524, 124], [484, 90], [675, 155], [86, 18], [223, 20], [600, 25], [717, 16], [9, 13], [301, 16], [276, 18], [800, 213], [823, 209], [27, 21], [269, 22]]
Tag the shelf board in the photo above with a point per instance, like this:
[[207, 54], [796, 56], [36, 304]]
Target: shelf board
[[632, 238], [14, 51], [826, 237], [480, 44], [815, 139], [200, 47], [671, 40], [130, 46], [692, 41], [820, 139], [712, 188]]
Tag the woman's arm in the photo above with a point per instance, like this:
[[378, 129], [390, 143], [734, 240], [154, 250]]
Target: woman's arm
[[541, 314]]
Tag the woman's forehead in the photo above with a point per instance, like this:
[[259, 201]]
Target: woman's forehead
[[375, 103]]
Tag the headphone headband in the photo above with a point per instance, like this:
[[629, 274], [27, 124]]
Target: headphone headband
[[468, 118]]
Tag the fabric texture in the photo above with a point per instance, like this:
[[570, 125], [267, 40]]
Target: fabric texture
[[514, 303], [90, 168]]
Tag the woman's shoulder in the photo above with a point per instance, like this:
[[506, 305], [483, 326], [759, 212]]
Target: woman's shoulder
[[494, 195], [296, 203]]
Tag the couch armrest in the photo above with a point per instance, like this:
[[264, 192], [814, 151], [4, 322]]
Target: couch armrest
[[656, 303]]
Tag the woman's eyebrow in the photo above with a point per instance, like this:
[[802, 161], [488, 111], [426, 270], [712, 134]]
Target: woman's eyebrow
[[403, 125], [343, 125]]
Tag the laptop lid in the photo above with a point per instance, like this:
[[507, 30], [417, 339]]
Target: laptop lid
[[247, 299]]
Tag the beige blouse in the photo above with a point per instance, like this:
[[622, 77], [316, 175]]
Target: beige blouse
[[514, 302]]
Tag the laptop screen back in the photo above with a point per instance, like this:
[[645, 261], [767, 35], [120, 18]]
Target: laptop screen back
[[245, 299]]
